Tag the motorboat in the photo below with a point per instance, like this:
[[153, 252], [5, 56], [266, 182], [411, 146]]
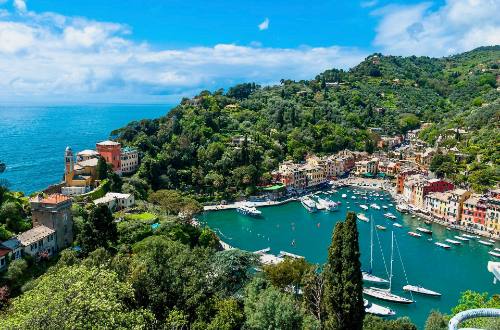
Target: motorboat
[[375, 206], [463, 239], [309, 204], [452, 241], [395, 224], [496, 249], [487, 243], [326, 204], [414, 234], [362, 217], [353, 197], [379, 227], [377, 310], [364, 207], [403, 208], [468, 236], [421, 290], [427, 222], [344, 196], [389, 215], [495, 254], [248, 210], [444, 246], [384, 207], [424, 230]]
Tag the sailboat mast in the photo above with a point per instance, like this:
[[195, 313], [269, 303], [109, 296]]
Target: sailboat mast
[[371, 245], [392, 257]]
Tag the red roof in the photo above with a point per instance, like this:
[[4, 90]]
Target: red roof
[[4, 252], [51, 199]]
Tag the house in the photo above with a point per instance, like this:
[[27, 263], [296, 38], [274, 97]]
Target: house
[[367, 167], [492, 220], [416, 187], [455, 204], [54, 212], [116, 201], [111, 152], [402, 177], [38, 241], [474, 212], [14, 246], [76, 180], [4, 254], [86, 155], [129, 158]]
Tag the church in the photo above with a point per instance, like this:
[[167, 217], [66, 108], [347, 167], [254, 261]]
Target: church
[[79, 177]]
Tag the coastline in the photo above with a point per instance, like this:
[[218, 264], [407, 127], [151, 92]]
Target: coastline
[[364, 183]]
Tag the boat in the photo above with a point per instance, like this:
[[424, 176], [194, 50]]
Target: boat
[[353, 197], [364, 207], [375, 206], [386, 294], [414, 234], [384, 207], [496, 249], [463, 239], [495, 254], [379, 227], [421, 290], [309, 204], [389, 215], [468, 236], [427, 222], [344, 196], [327, 204], [248, 210], [424, 230], [403, 208], [492, 241], [485, 243], [452, 241], [362, 217], [397, 225], [444, 246], [368, 276], [391, 205], [378, 310]]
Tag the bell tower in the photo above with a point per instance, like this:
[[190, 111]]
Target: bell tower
[[69, 166]]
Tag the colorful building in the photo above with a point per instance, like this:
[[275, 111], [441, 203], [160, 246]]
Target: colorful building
[[38, 241], [456, 200], [416, 187], [129, 160], [492, 220], [79, 177], [474, 212], [111, 152]]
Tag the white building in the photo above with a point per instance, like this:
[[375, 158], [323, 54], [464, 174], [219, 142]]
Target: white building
[[129, 160], [40, 239], [116, 201]]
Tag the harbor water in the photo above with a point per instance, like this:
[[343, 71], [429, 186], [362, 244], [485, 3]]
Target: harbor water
[[290, 227]]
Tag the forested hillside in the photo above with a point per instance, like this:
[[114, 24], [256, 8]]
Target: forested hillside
[[192, 147]]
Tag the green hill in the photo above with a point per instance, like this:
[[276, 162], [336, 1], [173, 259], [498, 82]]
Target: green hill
[[191, 148]]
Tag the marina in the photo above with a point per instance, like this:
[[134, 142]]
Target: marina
[[288, 223]]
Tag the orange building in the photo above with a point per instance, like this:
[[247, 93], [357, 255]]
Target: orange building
[[111, 152]]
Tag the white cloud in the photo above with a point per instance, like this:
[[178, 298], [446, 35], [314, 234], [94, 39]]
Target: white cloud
[[368, 4], [457, 26], [264, 25], [20, 5], [52, 57]]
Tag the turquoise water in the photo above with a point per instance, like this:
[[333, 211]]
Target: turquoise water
[[447, 271], [33, 138]]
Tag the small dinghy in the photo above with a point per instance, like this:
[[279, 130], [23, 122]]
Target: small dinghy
[[353, 197], [452, 241], [485, 243], [442, 245], [379, 227], [397, 225], [384, 207], [414, 234], [378, 310], [421, 290], [463, 239], [424, 230], [344, 196]]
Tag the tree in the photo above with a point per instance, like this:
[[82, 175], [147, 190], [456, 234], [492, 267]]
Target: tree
[[287, 274], [376, 323], [16, 272], [102, 169], [230, 270], [176, 320], [269, 308], [77, 297], [229, 315], [436, 321], [99, 230], [470, 300], [313, 285]]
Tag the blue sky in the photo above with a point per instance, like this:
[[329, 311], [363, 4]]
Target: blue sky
[[158, 51]]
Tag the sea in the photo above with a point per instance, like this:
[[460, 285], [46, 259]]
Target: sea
[[33, 138], [417, 261]]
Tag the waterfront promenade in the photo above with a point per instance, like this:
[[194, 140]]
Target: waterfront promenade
[[220, 207]]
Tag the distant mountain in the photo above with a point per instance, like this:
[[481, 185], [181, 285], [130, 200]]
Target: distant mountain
[[219, 144]]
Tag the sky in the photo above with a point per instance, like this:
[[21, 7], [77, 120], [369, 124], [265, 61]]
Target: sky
[[153, 51]]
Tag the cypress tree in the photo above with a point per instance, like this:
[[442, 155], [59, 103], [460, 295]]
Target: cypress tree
[[352, 279], [333, 293]]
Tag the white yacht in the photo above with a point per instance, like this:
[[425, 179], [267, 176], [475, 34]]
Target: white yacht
[[421, 290], [463, 239], [487, 243], [389, 215], [364, 207], [494, 253], [424, 230], [468, 236], [397, 225], [362, 217], [380, 227], [444, 246], [344, 196], [249, 210], [403, 208], [384, 207], [327, 204], [378, 310], [452, 241], [414, 234], [375, 206], [309, 204]]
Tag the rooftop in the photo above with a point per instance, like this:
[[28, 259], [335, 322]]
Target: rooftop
[[128, 149], [89, 162], [111, 196], [108, 143], [88, 152], [51, 199], [4, 251], [12, 243], [34, 235]]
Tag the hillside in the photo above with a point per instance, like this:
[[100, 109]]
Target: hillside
[[192, 148]]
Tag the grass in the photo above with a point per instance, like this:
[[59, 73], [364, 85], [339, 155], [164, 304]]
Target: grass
[[140, 216]]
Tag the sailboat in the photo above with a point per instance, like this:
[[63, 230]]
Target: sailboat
[[378, 310], [368, 276], [386, 294], [421, 290]]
